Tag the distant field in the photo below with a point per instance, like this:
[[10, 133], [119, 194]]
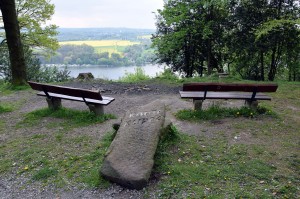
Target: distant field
[[111, 46], [101, 43], [110, 49], [145, 37]]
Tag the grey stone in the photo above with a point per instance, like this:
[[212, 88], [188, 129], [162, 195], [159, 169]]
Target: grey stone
[[54, 103], [85, 76], [130, 157]]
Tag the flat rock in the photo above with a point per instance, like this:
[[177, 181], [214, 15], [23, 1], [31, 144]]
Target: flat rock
[[130, 157]]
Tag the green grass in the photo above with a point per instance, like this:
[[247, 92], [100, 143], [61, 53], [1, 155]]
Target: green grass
[[201, 167], [61, 157], [7, 88], [217, 112], [137, 76], [71, 161], [5, 108], [44, 173], [71, 118]]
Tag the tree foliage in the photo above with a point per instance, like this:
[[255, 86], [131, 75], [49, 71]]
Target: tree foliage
[[31, 18], [250, 37]]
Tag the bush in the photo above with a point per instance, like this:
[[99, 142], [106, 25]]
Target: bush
[[167, 74], [138, 75], [34, 70]]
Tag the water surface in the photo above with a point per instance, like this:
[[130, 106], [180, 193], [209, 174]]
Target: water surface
[[115, 72]]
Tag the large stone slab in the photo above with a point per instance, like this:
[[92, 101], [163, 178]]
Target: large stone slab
[[130, 157]]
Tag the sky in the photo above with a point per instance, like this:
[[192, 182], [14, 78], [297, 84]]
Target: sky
[[105, 13]]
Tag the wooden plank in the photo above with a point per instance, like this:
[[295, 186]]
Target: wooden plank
[[68, 91], [223, 95], [104, 101], [226, 87]]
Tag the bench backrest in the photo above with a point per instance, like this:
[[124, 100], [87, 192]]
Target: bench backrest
[[75, 92], [224, 87]]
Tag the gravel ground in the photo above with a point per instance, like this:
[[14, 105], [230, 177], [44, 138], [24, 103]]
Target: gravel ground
[[127, 95]]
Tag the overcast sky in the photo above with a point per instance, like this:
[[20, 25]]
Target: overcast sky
[[105, 13]]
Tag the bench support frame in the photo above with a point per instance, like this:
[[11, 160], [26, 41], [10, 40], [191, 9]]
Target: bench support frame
[[197, 104], [98, 109], [253, 104], [54, 103]]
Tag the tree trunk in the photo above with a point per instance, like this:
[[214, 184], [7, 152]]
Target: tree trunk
[[12, 31], [262, 67], [272, 72], [209, 59]]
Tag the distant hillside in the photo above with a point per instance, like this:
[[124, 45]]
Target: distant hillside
[[79, 34]]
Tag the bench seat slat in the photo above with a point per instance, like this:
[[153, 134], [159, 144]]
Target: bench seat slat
[[222, 95], [104, 101]]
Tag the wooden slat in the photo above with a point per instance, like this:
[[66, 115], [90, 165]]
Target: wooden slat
[[68, 91], [104, 101], [226, 87], [223, 95]]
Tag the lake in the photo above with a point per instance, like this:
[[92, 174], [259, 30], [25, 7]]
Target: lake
[[115, 72]]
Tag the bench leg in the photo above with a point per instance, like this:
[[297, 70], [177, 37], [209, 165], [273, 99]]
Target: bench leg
[[54, 103], [197, 104], [96, 108], [252, 104]]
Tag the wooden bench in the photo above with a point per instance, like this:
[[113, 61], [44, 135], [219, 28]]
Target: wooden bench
[[248, 92], [54, 94]]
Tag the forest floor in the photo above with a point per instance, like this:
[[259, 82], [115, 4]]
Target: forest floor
[[52, 158]]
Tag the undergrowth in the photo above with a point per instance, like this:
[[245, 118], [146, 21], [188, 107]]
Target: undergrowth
[[137, 76]]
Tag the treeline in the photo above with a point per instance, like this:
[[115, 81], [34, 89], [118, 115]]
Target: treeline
[[84, 54], [256, 39]]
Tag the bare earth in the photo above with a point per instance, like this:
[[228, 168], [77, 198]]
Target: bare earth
[[127, 96]]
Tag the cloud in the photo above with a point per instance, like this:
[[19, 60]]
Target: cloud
[[106, 13]]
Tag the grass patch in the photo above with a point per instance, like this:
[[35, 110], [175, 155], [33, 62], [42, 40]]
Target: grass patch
[[198, 167], [5, 108], [44, 173], [7, 88], [72, 118], [137, 76], [72, 161], [217, 112]]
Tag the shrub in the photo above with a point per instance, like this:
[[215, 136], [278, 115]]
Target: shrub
[[34, 70], [138, 75]]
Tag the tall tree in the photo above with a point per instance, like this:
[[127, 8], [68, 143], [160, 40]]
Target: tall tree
[[263, 33], [189, 35], [12, 32]]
